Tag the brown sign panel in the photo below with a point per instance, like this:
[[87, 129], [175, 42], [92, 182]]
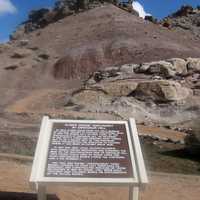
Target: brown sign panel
[[89, 150]]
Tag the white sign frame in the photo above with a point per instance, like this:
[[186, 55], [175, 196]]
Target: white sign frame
[[39, 164]]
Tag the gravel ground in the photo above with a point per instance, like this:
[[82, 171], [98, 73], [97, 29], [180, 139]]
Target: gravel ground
[[15, 175]]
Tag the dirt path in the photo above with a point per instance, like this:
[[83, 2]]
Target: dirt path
[[14, 177]]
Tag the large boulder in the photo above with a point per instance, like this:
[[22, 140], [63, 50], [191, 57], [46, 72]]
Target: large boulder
[[118, 88], [180, 65], [193, 64], [160, 91], [165, 68], [161, 68], [90, 97], [21, 53]]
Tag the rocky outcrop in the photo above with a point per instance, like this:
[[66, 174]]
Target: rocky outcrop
[[117, 88], [125, 92], [193, 65], [186, 19], [160, 91], [165, 69], [21, 53], [174, 68]]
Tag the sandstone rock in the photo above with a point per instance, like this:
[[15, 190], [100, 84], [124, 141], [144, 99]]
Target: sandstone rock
[[160, 91], [21, 53], [128, 68], [179, 64], [186, 19], [107, 73], [89, 95], [161, 68], [119, 88], [23, 42], [193, 64]]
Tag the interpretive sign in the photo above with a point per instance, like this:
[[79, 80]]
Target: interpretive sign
[[88, 151]]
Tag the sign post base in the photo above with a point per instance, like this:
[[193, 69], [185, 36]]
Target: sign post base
[[41, 192], [133, 193]]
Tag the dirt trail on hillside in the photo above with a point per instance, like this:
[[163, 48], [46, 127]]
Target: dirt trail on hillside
[[14, 178]]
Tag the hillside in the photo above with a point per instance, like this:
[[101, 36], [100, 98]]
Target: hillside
[[101, 37]]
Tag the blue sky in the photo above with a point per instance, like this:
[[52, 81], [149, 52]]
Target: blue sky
[[13, 12]]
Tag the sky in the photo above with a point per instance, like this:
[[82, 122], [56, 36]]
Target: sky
[[14, 12]]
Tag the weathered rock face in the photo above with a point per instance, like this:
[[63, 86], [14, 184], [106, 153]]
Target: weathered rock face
[[162, 68], [67, 67], [160, 91], [21, 53], [117, 88], [187, 19], [193, 64], [165, 69], [122, 92], [179, 65]]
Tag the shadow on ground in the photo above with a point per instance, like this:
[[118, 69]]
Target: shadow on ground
[[183, 153], [23, 196]]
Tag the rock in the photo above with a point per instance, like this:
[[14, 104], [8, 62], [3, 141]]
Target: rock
[[186, 19], [160, 91], [161, 68], [36, 15], [23, 42], [18, 33], [128, 68], [151, 19], [44, 56], [184, 11], [89, 96], [166, 69], [107, 73], [197, 92], [118, 88], [193, 64], [21, 53], [179, 64], [11, 67]]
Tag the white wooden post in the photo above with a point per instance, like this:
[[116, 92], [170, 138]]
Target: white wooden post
[[133, 193], [41, 192], [136, 193]]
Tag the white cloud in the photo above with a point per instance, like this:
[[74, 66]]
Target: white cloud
[[140, 9], [6, 6]]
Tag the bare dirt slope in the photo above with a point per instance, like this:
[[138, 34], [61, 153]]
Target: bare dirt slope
[[80, 44], [101, 37], [107, 36], [162, 186]]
